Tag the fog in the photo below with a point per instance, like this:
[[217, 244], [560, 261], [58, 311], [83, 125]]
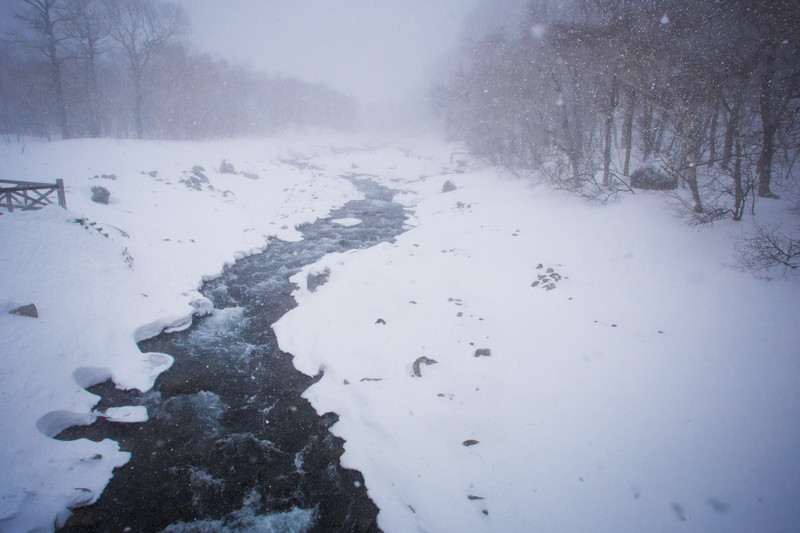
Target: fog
[[377, 51], [240, 67]]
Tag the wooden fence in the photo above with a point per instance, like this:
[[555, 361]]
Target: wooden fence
[[26, 195]]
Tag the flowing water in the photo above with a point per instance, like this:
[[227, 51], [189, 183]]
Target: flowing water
[[230, 444]]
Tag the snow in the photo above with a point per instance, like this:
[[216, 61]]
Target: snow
[[129, 413], [653, 387], [346, 222]]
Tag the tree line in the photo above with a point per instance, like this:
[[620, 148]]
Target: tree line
[[92, 68], [705, 90]]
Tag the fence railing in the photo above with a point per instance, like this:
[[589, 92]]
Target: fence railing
[[26, 195]]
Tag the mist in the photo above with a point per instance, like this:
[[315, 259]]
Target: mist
[[378, 52], [240, 67]]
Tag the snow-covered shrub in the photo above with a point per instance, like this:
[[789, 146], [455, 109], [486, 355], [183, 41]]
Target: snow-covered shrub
[[100, 195]]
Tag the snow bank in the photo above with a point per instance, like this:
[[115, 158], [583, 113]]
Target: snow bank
[[597, 368], [105, 276]]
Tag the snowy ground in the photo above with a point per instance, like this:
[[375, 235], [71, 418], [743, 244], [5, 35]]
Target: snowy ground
[[644, 385]]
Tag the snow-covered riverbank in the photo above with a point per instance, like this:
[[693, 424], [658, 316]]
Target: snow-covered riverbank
[[639, 385], [105, 276], [597, 368]]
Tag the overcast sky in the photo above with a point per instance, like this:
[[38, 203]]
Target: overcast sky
[[376, 50]]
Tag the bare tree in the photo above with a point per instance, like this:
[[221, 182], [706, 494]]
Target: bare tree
[[87, 25], [24, 95], [42, 21], [768, 248], [775, 28], [143, 28]]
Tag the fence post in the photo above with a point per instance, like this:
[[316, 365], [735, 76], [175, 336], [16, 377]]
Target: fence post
[[62, 195]]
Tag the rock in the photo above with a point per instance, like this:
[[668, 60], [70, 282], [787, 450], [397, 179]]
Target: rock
[[226, 168], [651, 178], [198, 171], [249, 175], [485, 352], [448, 186], [193, 182], [26, 310], [317, 279], [82, 518], [100, 195], [470, 442], [380, 321], [196, 179]]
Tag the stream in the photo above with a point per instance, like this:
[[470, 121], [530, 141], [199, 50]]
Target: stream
[[230, 444]]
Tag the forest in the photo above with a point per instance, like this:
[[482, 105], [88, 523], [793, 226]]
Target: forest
[[704, 94], [120, 68]]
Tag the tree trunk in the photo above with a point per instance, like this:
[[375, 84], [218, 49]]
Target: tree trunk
[[648, 138], [738, 191], [769, 126], [612, 104], [138, 119], [712, 137], [628, 132], [659, 137], [95, 129], [730, 132], [574, 162], [55, 75], [691, 176]]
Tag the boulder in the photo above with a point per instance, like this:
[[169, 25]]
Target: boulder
[[448, 186], [652, 179]]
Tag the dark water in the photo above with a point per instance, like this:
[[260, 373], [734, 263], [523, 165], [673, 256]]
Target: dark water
[[230, 444]]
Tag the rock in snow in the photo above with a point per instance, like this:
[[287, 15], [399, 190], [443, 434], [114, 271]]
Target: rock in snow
[[26, 310]]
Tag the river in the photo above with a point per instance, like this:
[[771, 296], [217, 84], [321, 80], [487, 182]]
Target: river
[[230, 444]]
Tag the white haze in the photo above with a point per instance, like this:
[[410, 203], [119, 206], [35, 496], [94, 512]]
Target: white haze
[[377, 51]]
